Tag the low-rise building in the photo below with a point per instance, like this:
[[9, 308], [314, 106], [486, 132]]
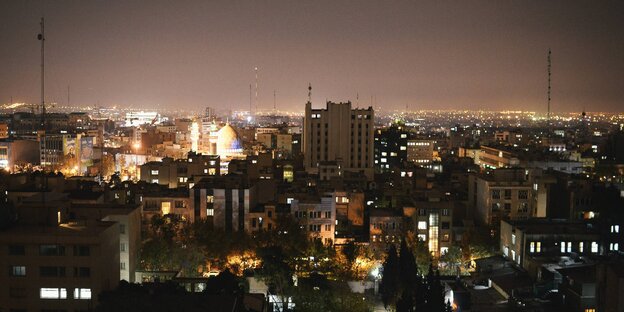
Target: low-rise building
[[531, 243], [317, 215]]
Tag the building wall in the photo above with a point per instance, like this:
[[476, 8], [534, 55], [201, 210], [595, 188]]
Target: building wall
[[24, 292], [420, 152], [129, 242], [318, 218], [491, 208], [339, 133]]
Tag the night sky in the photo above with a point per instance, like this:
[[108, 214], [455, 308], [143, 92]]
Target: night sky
[[426, 54]]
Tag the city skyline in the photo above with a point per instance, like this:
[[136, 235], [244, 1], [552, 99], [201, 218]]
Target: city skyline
[[418, 55]]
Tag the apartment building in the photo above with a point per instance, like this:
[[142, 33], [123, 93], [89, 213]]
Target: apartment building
[[502, 194], [58, 268], [317, 215], [531, 243], [433, 221], [339, 133], [180, 173]]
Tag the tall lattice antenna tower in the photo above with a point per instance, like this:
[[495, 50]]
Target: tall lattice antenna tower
[[41, 37], [256, 72], [549, 74], [309, 92]]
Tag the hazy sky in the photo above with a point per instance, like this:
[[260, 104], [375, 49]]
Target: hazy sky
[[425, 54]]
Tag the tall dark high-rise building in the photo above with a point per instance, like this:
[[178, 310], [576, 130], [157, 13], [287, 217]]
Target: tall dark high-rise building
[[390, 147], [339, 136]]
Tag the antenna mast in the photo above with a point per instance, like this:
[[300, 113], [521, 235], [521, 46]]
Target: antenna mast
[[256, 71], [549, 74], [41, 37], [309, 93], [274, 102]]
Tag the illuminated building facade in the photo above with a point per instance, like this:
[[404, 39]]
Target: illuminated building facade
[[341, 134]]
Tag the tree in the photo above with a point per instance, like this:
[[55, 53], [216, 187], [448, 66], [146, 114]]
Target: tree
[[389, 287], [435, 292], [276, 273], [409, 279], [452, 260]]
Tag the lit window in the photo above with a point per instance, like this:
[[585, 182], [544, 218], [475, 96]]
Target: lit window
[[594, 247], [614, 246], [205, 170], [289, 200], [513, 239], [210, 212], [210, 199], [443, 250], [422, 237], [154, 172], [590, 310], [82, 293], [403, 135], [53, 293], [383, 160], [538, 247], [569, 247], [615, 228], [18, 270], [532, 247], [422, 225], [562, 247], [580, 246]]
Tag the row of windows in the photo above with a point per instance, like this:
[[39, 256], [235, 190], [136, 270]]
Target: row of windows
[[49, 271], [317, 227], [564, 247], [51, 250], [522, 194], [422, 225], [312, 214], [61, 293], [423, 211], [522, 207]]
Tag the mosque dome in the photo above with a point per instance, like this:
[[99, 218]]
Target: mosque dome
[[228, 143]]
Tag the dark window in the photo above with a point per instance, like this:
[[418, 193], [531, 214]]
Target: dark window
[[82, 272], [446, 225], [270, 214], [507, 194], [523, 194], [52, 250], [82, 251], [51, 271], [495, 194], [17, 292], [17, 250]]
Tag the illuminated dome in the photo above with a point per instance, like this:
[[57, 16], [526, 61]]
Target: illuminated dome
[[228, 143]]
